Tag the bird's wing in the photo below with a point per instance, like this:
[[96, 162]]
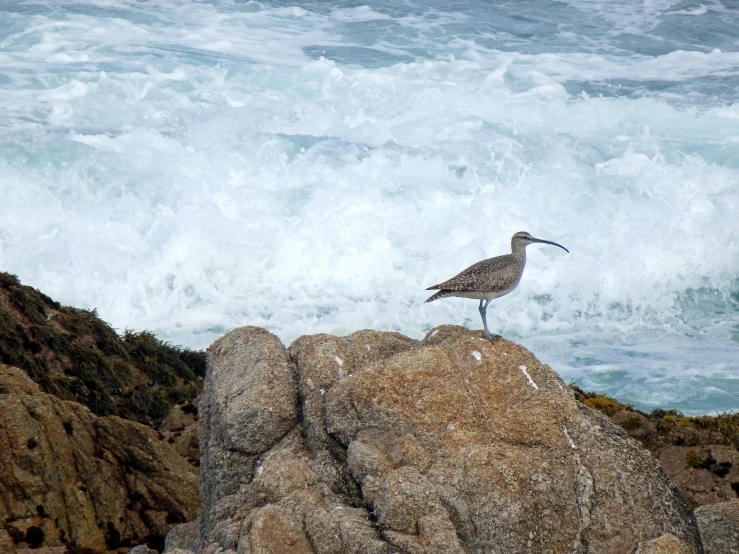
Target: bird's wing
[[488, 274]]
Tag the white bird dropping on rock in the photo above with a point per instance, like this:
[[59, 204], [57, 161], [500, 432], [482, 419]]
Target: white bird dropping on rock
[[526, 373], [572, 444]]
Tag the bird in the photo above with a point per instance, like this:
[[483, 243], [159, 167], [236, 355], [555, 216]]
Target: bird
[[491, 278]]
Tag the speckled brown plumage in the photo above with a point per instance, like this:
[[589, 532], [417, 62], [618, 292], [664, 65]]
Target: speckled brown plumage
[[493, 275], [491, 278]]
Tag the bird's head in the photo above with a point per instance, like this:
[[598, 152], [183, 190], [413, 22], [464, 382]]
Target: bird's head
[[522, 239]]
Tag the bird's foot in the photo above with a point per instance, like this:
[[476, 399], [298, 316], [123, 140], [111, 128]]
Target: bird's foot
[[492, 337]]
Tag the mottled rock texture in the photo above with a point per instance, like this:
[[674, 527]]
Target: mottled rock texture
[[180, 428], [719, 526], [69, 477], [183, 537], [666, 544], [322, 362], [249, 403], [142, 549], [375, 443]]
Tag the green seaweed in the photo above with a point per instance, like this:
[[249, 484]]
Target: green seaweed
[[155, 404], [31, 303]]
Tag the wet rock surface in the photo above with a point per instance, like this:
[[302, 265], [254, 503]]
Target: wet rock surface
[[374, 443], [71, 478]]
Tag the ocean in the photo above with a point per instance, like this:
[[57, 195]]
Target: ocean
[[190, 167]]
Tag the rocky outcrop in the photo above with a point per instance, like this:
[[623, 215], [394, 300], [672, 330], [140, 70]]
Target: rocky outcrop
[[180, 428], [248, 404], [719, 526], [699, 454], [69, 477], [374, 443], [322, 362], [705, 474]]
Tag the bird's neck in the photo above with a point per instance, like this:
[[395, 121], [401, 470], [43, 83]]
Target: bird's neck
[[519, 251]]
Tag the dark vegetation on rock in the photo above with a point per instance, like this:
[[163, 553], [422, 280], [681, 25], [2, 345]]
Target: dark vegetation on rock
[[700, 454], [75, 355]]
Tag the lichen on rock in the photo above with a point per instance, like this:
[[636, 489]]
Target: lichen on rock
[[719, 526]]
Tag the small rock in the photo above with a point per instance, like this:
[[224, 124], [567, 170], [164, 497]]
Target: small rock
[[142, 549], [719, 526], [666, 544], [183, 537]]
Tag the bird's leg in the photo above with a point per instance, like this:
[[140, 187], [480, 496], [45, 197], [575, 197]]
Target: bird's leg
[[483, 313]]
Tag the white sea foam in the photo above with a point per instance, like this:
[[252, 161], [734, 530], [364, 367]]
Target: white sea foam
[[188, 168], [358, 14], [700, 9]]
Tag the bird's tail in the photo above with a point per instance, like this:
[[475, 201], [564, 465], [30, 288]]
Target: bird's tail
[[443, 293]]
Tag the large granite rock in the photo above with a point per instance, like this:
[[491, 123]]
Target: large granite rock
[[374, 443], [261, 482], [69, 477], [324, 361], [249, 402]]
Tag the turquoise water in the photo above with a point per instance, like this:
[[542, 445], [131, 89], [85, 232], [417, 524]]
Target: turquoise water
[[188, 168]]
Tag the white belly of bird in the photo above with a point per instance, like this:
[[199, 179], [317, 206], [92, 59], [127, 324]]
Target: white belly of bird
[[484, 295]]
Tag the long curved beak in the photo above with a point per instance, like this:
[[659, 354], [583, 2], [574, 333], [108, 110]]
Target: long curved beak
[[550, 242]]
